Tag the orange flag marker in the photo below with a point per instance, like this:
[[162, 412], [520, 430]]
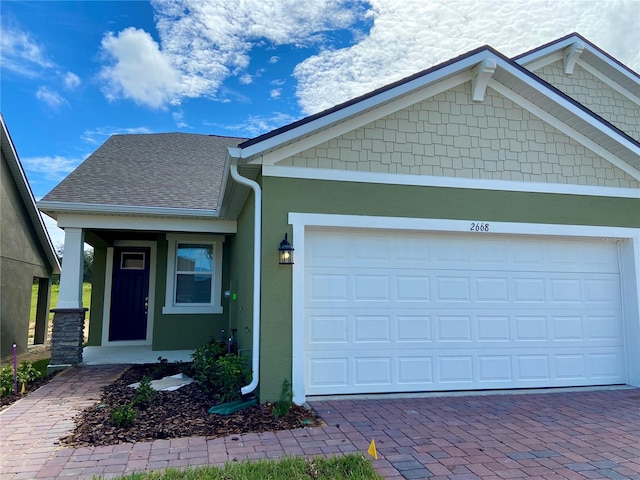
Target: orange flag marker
[[372, 450]]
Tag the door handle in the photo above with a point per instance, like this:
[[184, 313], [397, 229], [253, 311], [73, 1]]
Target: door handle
[[146, 305]]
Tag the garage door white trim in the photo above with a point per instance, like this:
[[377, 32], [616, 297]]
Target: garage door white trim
[[626, 239]]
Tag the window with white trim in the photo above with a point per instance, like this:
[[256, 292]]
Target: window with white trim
[[194, 274]]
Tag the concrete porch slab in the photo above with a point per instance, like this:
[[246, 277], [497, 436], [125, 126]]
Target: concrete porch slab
[[131, 355]]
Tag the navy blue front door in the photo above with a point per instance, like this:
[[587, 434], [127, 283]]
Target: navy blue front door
[[129, 294]]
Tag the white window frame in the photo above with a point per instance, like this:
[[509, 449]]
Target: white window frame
[[170, 306]]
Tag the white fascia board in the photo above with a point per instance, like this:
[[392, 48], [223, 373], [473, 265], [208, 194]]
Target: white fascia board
[[133, 223], [566, 129], [554, 51], [542, 62], [363, 105], [66, 207], [446, 182]]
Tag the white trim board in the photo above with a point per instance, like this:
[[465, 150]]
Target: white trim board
[[116, 222], [445, 182], [628, 240]]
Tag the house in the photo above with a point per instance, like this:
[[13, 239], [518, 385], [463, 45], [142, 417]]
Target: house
[[473, 226], [27, 256]]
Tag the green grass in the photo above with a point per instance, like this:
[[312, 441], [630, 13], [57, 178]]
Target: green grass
[[53, 301], [352, 467], [41, 366]]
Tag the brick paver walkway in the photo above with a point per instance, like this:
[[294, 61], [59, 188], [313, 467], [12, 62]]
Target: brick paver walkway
[[570, 435]]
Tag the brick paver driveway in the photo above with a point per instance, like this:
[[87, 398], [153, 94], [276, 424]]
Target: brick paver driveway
[[569, 435]]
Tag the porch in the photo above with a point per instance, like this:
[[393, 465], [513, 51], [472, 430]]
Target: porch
[[131, 354]]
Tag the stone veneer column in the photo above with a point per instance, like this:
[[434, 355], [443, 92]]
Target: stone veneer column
[[67, 336]]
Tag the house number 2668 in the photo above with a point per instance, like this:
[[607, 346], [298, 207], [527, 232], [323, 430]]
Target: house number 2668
[[479, 227]]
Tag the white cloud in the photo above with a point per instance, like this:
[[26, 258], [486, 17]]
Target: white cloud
[[51, 167], [202, 43], [275, 93], [178, 117], [97, 135], [245, 79], [52, 98], [274, 59], [412, 35], [139, 70], [71, 80], [21, 54], [256, 125]]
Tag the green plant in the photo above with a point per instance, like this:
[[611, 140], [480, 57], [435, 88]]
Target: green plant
[[6, 381], [230, 377], [27, 373], [217, 373], [161, 368], [122, 416], [283, 406], [144, 393]]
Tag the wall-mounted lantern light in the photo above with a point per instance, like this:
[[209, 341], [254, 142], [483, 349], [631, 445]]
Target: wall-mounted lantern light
[[286, 252]]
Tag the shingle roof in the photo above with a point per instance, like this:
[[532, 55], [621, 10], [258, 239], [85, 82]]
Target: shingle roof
[[166, 170]]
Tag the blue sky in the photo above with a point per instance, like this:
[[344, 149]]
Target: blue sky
[[73, 73]]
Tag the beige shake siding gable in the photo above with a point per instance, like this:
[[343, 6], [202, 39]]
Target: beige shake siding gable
[[595, 94], [450, 135]]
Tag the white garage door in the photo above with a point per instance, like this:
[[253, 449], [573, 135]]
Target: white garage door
[[389, 311]]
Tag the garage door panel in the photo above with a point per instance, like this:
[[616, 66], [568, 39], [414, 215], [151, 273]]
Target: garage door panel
[[413, 328], [372, 328], [469, 312]]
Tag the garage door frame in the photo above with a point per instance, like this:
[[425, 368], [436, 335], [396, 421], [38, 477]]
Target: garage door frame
[[628, 240]]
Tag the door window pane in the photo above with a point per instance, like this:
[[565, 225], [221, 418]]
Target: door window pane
[[132, 261]]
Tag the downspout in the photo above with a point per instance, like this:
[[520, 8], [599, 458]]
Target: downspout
[[257, 247]]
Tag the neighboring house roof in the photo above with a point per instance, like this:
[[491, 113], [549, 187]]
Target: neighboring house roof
[[20, 178], [499, 72], [165, 173]]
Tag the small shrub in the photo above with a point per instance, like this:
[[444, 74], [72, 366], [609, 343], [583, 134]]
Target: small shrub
[[231, 376], [26, 374], [283, 406], [217, 373], [6, 381], [144, 393], [122, 416], [161, 369]]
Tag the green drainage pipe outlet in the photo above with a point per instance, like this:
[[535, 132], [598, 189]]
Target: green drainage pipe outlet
[[232, 407]]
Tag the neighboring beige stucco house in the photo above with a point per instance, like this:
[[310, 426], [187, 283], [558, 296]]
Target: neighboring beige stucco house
[[26, 255]]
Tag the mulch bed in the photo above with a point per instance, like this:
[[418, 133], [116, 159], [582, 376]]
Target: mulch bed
[[181, 413]]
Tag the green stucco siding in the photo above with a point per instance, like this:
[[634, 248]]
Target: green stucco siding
[[183, 332], [240, 283], [282, 196], [97, 296]]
